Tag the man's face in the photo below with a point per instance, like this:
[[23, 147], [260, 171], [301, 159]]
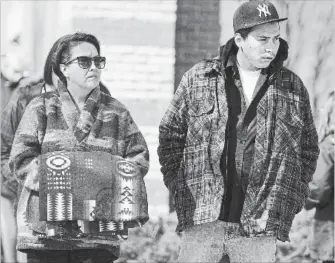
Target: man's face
[[261, 45]]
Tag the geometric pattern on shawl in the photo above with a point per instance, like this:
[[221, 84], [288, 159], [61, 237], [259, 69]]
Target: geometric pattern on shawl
[[92, 186]]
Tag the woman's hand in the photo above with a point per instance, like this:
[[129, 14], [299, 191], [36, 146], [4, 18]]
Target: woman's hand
[[31, 184], [32, 180]]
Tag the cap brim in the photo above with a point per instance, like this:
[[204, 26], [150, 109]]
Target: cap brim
[[264, 22]]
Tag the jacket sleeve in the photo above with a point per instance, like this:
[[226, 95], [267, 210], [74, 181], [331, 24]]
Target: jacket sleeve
[[10, 120], [172, 135], [281, 221], [136, 146], [309, 148], [322, 185], [23, 160]]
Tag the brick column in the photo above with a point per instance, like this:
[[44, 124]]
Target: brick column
[[197, 33]]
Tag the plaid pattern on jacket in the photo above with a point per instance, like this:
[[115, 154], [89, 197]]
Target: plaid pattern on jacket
[[192, 137], [52, 123]]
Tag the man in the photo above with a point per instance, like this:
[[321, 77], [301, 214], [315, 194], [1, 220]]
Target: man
[[238, 145], [322, 189]]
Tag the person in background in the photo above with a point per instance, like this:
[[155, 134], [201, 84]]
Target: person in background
[[321, 239], [238, 145], [87, 119], [13, 78], [27, 89], [12, 70]]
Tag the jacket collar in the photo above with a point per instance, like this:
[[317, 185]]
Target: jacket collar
[[81, 121]]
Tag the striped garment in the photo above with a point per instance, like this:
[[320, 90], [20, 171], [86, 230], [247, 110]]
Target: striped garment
[[192, 138], [52, 123]]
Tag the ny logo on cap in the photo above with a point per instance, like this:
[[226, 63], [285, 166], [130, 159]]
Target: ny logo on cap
[[263, 9]]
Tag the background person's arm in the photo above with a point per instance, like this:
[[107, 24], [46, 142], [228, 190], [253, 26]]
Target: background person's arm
[[322, 185], [10, 120], [26, 148]]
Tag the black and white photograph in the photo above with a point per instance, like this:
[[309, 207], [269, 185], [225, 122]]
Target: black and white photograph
[[167, 131]]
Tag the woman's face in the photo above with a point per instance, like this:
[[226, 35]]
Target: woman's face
[[88, 78]]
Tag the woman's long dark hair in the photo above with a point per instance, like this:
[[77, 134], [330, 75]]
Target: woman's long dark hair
[[48, 65]]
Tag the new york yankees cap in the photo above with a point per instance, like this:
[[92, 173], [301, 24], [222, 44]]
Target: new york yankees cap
[[253, 13]]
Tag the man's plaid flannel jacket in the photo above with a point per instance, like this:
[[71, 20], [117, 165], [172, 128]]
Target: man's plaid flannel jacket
[[192, 137]]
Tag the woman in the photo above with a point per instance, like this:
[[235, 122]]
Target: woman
[[75, 117]]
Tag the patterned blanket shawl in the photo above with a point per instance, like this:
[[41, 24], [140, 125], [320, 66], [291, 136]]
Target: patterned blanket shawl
[[91, 186]]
